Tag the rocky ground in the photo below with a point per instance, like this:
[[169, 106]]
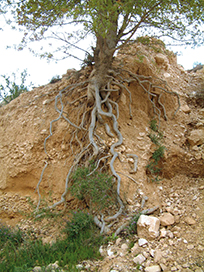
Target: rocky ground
[[179, 192]]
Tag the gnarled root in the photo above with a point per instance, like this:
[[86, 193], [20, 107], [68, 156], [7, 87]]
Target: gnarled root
[[104, 113]]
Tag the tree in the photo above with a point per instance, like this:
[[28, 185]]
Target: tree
[[113, 24]]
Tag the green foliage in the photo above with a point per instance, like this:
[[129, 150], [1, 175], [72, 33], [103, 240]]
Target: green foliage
[[118, 21], [153, 125], [80, 222], [156, 137], [22, 254], [9, 89], [132, 227], [94, 187], [9, 236]]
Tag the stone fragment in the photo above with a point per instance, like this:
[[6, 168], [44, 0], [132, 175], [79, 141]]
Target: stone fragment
[[161, 60], [117, 242], [167, 219], [199, 270], [154, 268], [163, 233], [139, 259], [190, 247], [185, 109], [110, 252], [142, 242], [157, 256], [200, 248], [163, 267], [148, 226], [196, 137], [37, 269], [124, 247], [189, 220], [135, 249]]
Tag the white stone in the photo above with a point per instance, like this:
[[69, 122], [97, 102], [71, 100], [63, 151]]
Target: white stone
[[142, 242], [163, 233], [37, 269], [139, 259], [110, 252], [148, 226], [154, 268]]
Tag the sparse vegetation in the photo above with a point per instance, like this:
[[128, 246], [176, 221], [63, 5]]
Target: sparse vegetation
[[93, 187], [156, 136], [20, 253], [10, 89]]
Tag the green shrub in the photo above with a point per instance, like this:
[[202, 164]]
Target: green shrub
[[156, 137], [9, 89], [9, 236], [132, 227], [94, 187], [80, 222], [81, 242]]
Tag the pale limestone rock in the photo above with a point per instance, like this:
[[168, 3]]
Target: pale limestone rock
[[139, 259], [142, 242], [189, 220], [200, 248], [117, 242], [167, 219], [161, 60], [163, 233], [154, 268], [196, 137], [135, 249], [185, 109], [199, 270], [124, 247], [157, 256], [163, 267], [148, 226], [37, 269]]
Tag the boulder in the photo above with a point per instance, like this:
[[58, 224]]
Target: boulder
[[167, 219], [148, 227], [196, 137]]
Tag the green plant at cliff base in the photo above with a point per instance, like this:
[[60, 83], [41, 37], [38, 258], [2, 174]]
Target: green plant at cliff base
[[156, 137], [93, 187], [19, 253]]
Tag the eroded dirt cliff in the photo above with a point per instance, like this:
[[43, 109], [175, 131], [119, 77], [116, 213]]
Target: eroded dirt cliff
[[25, 123]]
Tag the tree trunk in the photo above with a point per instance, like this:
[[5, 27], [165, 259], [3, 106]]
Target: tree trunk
[[103, 58]]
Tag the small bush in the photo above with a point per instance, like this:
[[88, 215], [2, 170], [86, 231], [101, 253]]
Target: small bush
[[94, 187], [81, 242], [10, 90], [80, 222], [132, 227], [9, 236], [156, 137]]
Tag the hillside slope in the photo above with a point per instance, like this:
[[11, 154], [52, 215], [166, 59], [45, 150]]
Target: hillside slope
[[25, 123]]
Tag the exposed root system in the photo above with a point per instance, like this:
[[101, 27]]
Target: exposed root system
[[99, 117]]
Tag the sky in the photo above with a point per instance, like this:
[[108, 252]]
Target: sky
[[41, 71]]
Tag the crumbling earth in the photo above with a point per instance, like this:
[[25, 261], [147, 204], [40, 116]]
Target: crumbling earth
[[24, 124]]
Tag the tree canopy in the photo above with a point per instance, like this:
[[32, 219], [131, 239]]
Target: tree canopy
[[112, 22]]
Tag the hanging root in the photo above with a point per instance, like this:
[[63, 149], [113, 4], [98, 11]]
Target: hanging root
[[103, 114]]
